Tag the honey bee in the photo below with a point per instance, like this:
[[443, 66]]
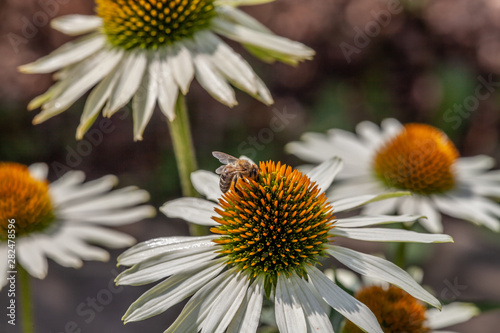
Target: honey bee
[[233, 170]]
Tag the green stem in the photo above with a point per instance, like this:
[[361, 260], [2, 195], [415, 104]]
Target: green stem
[[28, 323], [400, 257], [184, 155]]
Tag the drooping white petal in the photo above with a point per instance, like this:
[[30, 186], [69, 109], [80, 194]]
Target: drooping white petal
[[161, 266], [451, 314], [355, 202], [194, 210], [207, 184], [68, 54], [115, 217], [213, 82], [158, 246], [316, 318], [100, 236], [240, 2], [324, 173], [389, 235], [144, 101], [167, 88], [342, 302], [73, 245], [432, 222], [246, 320], [171, 291], [89, 189], [364, 221], [281, 48], [390, 127], [240, 17], [289, 315], [58, 252], [227, 303], [133, 66], [74, 25], [31, 257], [474, 164], [82, 77], [382, 269], [370, 134], [181, 64], [197, 308]]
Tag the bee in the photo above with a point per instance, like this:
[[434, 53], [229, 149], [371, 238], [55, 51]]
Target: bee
[[233, 170]]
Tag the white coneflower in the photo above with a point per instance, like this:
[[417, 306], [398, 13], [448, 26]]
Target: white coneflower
[[415, 157], [62, 219], [268, 235], [148, 50]]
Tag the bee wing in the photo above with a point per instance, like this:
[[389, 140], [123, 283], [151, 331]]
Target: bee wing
[[224, 158], [220, 169]]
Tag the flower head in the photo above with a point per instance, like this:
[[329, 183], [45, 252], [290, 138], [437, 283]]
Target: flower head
[[398, 311], [58, 220], [268, 235], [148, 50], [414, 157]]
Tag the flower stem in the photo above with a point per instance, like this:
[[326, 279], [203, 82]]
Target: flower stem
[[185, 155], [28, 323], [400, 257]]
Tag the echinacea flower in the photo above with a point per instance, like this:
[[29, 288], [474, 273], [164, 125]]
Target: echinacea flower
[[148, 50], [268, 235], [417, 158], [61, 220], [397, 311]]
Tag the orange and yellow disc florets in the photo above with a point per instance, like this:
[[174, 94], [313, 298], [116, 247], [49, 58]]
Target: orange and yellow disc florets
[[274, 224], [24, 199], [395, 309], [419, 159], [148, 24]]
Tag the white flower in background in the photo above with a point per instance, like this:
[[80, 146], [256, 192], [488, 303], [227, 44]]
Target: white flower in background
[[397, 311], [61, 220], [267, 237], [415, 157], [148, 50]]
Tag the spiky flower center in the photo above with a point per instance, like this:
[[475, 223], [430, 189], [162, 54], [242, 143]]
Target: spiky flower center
[[419, 159], [149, 24], [395, 309], [23, 199], [274, 224]]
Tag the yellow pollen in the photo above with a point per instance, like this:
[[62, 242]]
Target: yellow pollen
[[419, 159], [395, 309], [23, 199]]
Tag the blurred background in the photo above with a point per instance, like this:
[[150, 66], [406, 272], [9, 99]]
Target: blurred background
[[421, 61]]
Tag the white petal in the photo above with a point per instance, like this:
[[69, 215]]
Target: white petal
[[246, 319], [194, 210], [181, 64], [355, 202], [170, 292], [101, 236], [133, 67], [96, 100], [382, 269], [4, 265], [227, 304], [144, 101], [343, 303], [390, 127], [240, 2], [89, 189], [213, 82], [389, 235], [68, 54], [158, 246], [39, 171], [324, 173], [289, 315], [167, 88], [114, 218], [240, 17], [451, 314], [81, 78], [317, 319], [474, 165], [370, 133], [76, 24], [348, 279], [432, 222], [161, 266], [207, 184], [278, 47], [364, 221], [31, 257]]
